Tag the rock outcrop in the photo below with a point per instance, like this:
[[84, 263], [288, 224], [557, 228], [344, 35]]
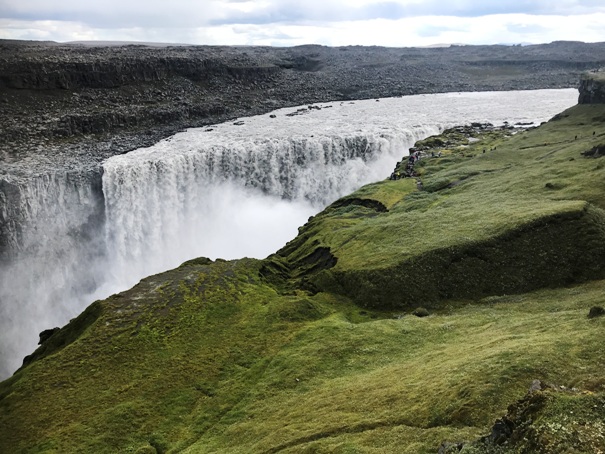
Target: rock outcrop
[[592, 88]]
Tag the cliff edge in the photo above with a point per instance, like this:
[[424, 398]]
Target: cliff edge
[[592, 87], [76, 105]]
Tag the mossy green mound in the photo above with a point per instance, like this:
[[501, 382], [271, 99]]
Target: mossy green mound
[[525, 215], [315, 349]]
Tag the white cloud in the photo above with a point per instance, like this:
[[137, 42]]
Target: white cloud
[[291, 22]]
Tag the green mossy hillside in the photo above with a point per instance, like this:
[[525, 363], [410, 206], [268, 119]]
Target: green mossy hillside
[[160, 364], [316, 349], [494, 216]]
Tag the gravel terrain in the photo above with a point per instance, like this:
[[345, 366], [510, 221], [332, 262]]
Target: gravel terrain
[[68, 106]]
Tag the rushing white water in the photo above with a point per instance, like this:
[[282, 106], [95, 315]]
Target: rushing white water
[[162, 202], [55, 250], [230, 190]]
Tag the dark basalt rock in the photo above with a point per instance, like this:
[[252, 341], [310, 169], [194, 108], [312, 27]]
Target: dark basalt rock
[[592, 88], [55, 91], [510, 429], [596, 311], [595, 152], [46, 334]]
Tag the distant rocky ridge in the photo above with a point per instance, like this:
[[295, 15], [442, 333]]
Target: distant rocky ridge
[[75, 105]]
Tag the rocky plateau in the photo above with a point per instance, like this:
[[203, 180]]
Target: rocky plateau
[[70, 106]]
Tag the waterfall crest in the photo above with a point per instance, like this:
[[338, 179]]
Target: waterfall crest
[[171, 194]]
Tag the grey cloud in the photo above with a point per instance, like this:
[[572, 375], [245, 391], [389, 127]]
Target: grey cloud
[[113, 14], [339, 10], [183, 13], [261, 33], [383, 10], [289, 11]]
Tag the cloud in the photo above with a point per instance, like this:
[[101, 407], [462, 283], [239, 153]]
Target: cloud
[[291, 22], [318, 11], [288, 11], [430, 31], [114, 14], [273, 35], [526, 29]]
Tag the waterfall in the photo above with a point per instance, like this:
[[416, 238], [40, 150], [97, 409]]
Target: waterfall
[[231, 190], [161, 201], [56, 236]]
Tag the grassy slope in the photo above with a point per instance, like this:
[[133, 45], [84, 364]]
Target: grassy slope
[[210, 357], [504, 220]]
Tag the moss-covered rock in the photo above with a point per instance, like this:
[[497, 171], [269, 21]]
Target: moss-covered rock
[[549, 420], [592, 88], [559, 249]]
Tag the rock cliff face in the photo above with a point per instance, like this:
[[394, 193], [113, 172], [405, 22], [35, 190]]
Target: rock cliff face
[[592, 88], [116, 72]]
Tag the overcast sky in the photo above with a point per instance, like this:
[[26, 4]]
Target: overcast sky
[[293, 22]]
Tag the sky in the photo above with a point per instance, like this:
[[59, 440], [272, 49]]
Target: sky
[[395, 23]]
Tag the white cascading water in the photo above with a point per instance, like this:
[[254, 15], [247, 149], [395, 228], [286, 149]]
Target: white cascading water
[[230, 190], [43, 281], [243, 198]]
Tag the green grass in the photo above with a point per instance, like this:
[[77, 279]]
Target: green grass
[[316, 349], [536, 178], [245, 378]]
